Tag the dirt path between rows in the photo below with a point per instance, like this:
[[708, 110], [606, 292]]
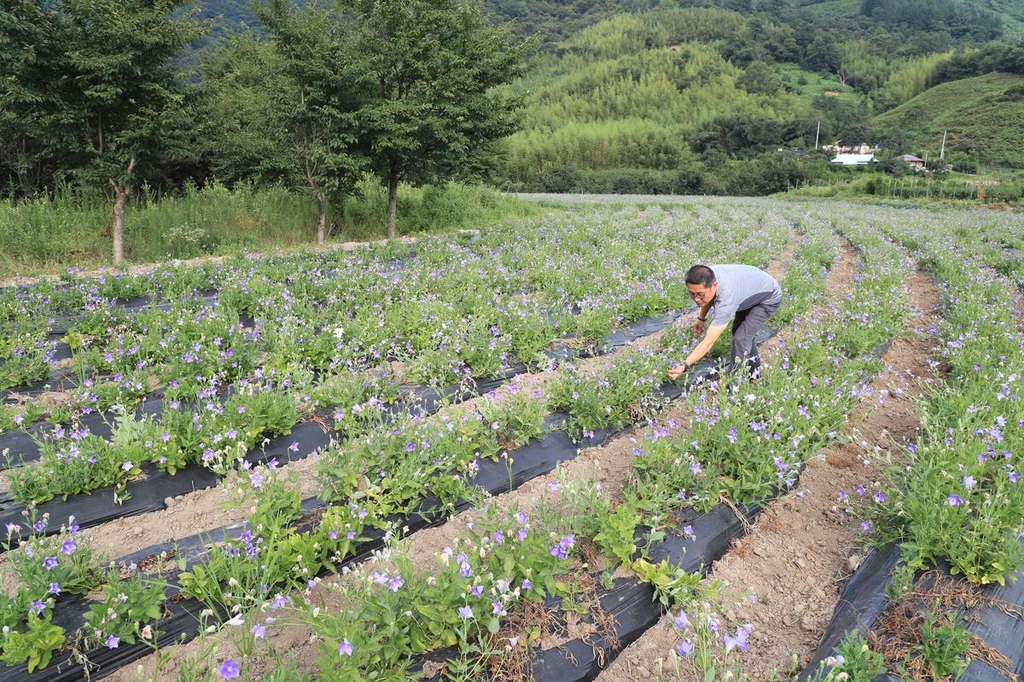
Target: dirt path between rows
[[784, 577], [203, 510], [609, 464], [147, 268]]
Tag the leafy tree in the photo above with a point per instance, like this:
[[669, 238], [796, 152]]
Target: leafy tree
[[821, 54], [561, 180], [428, 73], [848, 118], [28, 43], [318, 107], [744, 135], [958, 19], [94, 85], [861, 67], [240, 133], [759, 79], [909, 79], [553, 20], [896, 140]]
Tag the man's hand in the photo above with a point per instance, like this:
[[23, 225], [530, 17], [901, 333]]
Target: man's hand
[[698, 326], [676, 372]]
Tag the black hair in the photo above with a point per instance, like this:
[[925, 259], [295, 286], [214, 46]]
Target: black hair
[[700, 274]]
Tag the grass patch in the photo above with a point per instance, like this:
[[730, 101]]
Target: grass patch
[[65, 230], [807, 85], [964, 110]]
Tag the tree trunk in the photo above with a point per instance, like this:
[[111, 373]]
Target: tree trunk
[[392, 199], [121, 192], [321, 223], [117, 222]]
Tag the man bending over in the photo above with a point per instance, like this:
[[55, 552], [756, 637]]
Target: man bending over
[[746, 296]]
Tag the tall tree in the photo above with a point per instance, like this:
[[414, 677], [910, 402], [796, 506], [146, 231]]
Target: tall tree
[[28, 42], [95, 85], [318, 105], [430, 72], [239, 130]]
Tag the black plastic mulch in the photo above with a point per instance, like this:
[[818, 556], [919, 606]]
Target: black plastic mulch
[[999, 623], [534, 459], [632, 603], [150, 491], [19, 446], [66, 378]]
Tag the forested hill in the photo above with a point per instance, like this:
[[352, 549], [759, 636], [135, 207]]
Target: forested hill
[[940, 23], [700, 95]]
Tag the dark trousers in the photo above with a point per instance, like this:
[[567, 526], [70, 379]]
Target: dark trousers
[[745, 327]]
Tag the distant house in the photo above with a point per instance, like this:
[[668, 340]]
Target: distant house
[[840, 147], [912, 161], [854, 159]]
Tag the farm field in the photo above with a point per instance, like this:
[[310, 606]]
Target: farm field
[[460, 458]]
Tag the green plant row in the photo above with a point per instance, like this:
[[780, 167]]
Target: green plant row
[[449, 312], [238, 574], [402, 483], [233, 427], [212, 435], [627, 391], [448, 337], [278, 550], [791, 412], [474, 652], [950, 500], [752, 440], [802, 284], [822, 373], [960, 502]]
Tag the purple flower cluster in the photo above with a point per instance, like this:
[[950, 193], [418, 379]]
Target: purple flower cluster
[[561, 550]]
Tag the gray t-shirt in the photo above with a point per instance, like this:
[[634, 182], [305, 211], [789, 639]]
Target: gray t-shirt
[[741, 287]]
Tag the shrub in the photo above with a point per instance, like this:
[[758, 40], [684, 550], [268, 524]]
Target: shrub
[[560, 180]]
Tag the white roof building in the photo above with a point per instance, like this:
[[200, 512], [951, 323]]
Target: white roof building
[[855, 159]]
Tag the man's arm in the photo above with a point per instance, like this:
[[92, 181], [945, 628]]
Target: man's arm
[[702, 315], [715, 331]]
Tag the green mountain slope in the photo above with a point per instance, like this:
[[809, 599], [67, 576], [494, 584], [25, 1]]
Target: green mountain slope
[[834, 9], [1010, 11], [644, 88], [983, 118], [555, 20]]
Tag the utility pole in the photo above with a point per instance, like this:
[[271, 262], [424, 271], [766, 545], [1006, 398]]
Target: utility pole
[[816, 134], [942, 149]]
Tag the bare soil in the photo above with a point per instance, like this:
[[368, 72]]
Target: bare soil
[[609, 465], [793, 561], [784, 576]]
